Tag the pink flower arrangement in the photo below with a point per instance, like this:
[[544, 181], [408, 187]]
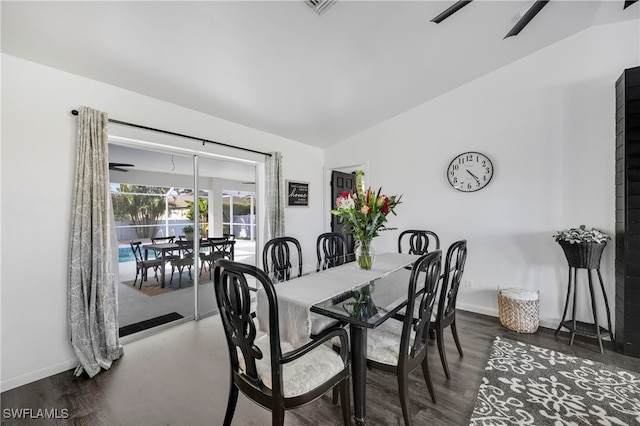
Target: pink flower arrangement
[[365, 210]]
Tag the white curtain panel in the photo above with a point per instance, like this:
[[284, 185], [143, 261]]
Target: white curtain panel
[[93, 262], [275, 195]]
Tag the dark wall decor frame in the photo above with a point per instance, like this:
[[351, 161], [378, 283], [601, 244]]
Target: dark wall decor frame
[[297, 193], [627, 240]]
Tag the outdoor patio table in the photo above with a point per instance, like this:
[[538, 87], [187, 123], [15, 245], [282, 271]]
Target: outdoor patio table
[[331, 293], [165, 248]]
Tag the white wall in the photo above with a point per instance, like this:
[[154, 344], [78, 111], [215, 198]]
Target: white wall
[[547, 122], [38, 165]]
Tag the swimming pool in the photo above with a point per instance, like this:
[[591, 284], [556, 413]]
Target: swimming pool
[[126, 255]]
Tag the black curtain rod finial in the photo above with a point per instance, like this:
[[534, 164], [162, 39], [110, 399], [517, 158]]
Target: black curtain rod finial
[[74, 112]]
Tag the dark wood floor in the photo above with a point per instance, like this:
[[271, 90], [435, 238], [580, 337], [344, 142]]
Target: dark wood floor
[[191, 386]]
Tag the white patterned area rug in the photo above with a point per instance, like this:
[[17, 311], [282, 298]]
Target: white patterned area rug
[[527, 385]]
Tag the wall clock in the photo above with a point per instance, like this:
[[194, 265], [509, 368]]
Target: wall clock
[[470, 171]]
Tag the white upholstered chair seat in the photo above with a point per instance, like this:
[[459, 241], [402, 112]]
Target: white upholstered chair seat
[[299, 376], [415, 312], [383, 342]]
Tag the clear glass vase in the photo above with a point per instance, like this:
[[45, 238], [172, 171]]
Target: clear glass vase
[[365, 255]]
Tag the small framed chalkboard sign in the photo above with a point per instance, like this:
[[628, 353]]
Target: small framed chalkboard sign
[[297, 194]]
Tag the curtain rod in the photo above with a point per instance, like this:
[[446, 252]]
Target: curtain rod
[[139, 126]]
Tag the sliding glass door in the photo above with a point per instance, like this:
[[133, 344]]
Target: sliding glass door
[[157, 210], [216, 181]]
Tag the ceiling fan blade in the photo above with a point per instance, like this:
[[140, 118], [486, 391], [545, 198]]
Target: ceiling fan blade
[[533, 11], [451, 10], [119, 166]]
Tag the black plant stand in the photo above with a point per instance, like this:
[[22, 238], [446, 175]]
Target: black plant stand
[[585, 256]]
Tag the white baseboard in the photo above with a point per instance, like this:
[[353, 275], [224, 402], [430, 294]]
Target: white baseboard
[[493, 312], [36, 375]]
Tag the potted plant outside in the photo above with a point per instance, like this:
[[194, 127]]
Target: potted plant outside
[[188, 232], [583, 247]]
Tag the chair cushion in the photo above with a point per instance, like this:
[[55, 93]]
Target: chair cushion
[[299, 376], [383, 342], [415, 312]]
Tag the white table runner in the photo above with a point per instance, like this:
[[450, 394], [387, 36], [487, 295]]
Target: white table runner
[[296, 296]]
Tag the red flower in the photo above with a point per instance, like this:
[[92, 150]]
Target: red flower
[[385, 206]]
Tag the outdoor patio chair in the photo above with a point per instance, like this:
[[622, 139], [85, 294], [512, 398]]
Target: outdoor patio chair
[[219, 248], [143, 265], [166, 240], [184, 260]]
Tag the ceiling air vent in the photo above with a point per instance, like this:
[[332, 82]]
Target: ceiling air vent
[[319, 6]]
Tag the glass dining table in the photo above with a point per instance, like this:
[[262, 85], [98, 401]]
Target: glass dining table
[[364, 299]]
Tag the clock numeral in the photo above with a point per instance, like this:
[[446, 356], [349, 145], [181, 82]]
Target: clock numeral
[[469, 157]]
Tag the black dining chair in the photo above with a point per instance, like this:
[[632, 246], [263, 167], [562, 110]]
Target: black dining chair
[[219, 248], [400, 347], [331, 249], [278, 255], [446, 310], [185, 260], [143, 265], [268, 371], [418, 241]]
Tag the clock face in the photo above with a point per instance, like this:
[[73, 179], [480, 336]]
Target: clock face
[[470, 171]]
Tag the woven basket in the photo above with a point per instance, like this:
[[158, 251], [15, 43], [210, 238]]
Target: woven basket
[[518, 315]]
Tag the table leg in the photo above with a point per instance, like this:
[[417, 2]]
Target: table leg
[[359, 372], [162, 256]]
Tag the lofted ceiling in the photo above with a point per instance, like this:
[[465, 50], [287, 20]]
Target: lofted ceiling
[[279, 67]]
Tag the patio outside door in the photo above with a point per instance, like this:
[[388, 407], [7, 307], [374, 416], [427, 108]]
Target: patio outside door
[[154, 201]]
